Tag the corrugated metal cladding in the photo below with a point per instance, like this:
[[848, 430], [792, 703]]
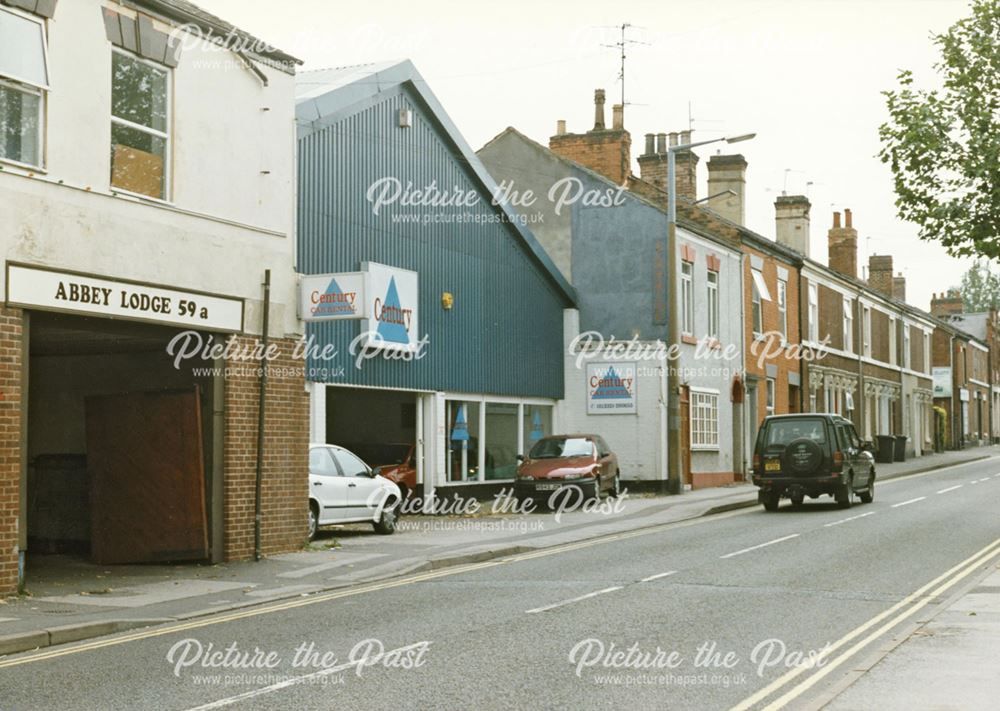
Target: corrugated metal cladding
[[504, 332]]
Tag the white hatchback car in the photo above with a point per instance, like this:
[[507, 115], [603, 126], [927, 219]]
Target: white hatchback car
[[343, 489]]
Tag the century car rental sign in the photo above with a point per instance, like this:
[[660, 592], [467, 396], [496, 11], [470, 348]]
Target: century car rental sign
[[36, 287]]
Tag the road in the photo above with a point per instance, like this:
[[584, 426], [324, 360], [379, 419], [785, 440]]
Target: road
[[716, 613]]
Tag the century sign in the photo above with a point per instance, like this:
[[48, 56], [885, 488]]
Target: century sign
[[390, 318], [329, 297], [36, 287], [611, 388]]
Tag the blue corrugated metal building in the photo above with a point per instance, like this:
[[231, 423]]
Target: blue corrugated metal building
[[386, 178]]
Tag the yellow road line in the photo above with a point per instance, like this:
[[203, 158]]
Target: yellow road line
[[968, 564]]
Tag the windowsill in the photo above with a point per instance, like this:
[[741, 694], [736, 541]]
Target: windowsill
[[689, 339], [119, 192], [705, 448], [26, 167]]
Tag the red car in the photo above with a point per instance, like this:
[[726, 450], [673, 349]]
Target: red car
[[395, 462], [582, 460]]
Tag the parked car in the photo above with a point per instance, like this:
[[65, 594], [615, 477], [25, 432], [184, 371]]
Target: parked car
[[813, 454], [558, 461], [343, 489], [395, 462]]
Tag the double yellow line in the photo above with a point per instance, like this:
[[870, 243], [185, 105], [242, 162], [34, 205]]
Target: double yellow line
[[909, 606]]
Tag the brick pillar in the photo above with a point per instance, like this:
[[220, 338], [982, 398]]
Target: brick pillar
[[285, 490], [11, 437]]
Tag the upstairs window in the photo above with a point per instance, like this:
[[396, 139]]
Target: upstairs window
[[140, 126], [866, 332], [687, 298], [24, 80], [783, 308], [712, 285], [848, 325], [758, 295], [814, 313]]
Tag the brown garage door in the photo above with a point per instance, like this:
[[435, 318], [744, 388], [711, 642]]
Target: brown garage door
[[147, 478]]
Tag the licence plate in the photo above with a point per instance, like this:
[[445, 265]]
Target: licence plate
[[546, 487], [772, 465]]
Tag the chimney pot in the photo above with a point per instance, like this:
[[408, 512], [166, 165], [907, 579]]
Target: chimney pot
[[685, 137], [836, 220], [650, 144], [847, 217], [673, 138], [561, 127], [618, 117], [661, 143], [599, 109]]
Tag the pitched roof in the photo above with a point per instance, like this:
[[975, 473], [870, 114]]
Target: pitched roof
[[184, 11], [325, 95]]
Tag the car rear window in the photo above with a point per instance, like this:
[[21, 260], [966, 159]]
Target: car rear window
[[781, 432]]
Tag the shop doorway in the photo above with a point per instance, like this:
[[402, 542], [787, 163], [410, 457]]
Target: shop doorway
[[381, 427], [123, 446]]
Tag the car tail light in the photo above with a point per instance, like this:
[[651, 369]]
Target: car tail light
[[838, 461], [756, 462]]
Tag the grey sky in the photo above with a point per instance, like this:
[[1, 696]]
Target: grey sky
[[804, 74]]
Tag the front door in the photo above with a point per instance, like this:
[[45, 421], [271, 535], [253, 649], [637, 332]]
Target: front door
[[685, 434], [147, 477]]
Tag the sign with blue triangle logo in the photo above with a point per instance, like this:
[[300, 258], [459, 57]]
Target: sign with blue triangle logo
[[328, 297], [460, 429], [392, 310], [611, 388]]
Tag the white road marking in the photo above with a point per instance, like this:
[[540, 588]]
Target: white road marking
[[996, 476], [852, 518], [951, 488], [299, 679], [985, 478], [572, 600], [657, 576], [974, 481], [911, 501], [761, 545]]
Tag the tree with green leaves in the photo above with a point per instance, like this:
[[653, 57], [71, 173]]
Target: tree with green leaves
[[980, 288], [943, 145]]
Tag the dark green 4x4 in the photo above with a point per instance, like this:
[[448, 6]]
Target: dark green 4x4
[[813, 454]]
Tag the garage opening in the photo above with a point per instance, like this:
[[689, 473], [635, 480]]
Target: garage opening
[[123, 448], [380, 426]]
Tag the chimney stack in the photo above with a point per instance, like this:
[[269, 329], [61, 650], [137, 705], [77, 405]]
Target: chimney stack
[[728, 173], [618, 117], [791, 222], [842, 243], [899, 287], [949, 304], [880, 273], [605, 151]]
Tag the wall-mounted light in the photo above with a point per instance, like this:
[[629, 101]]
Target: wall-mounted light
[[447, 300], [405, 118]]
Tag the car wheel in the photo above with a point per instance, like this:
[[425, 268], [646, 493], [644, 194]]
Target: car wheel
[[313, 520], [771, 501], [616, 486], [868, 495], [386, 524], [845, 495]]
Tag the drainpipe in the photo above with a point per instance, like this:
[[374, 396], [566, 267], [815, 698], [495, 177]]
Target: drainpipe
[[803, 336], [260, 420], [862, 406]]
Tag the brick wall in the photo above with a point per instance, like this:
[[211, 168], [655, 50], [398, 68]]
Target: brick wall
[[605, 151], [10, 445], [831, 316], [285, 489]]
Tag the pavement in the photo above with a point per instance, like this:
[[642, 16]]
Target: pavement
[[71, 599]]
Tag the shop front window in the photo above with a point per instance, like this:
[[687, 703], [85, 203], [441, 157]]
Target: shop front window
[[501, 440]]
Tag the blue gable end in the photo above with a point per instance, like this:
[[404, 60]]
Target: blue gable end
[[504, 333]]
